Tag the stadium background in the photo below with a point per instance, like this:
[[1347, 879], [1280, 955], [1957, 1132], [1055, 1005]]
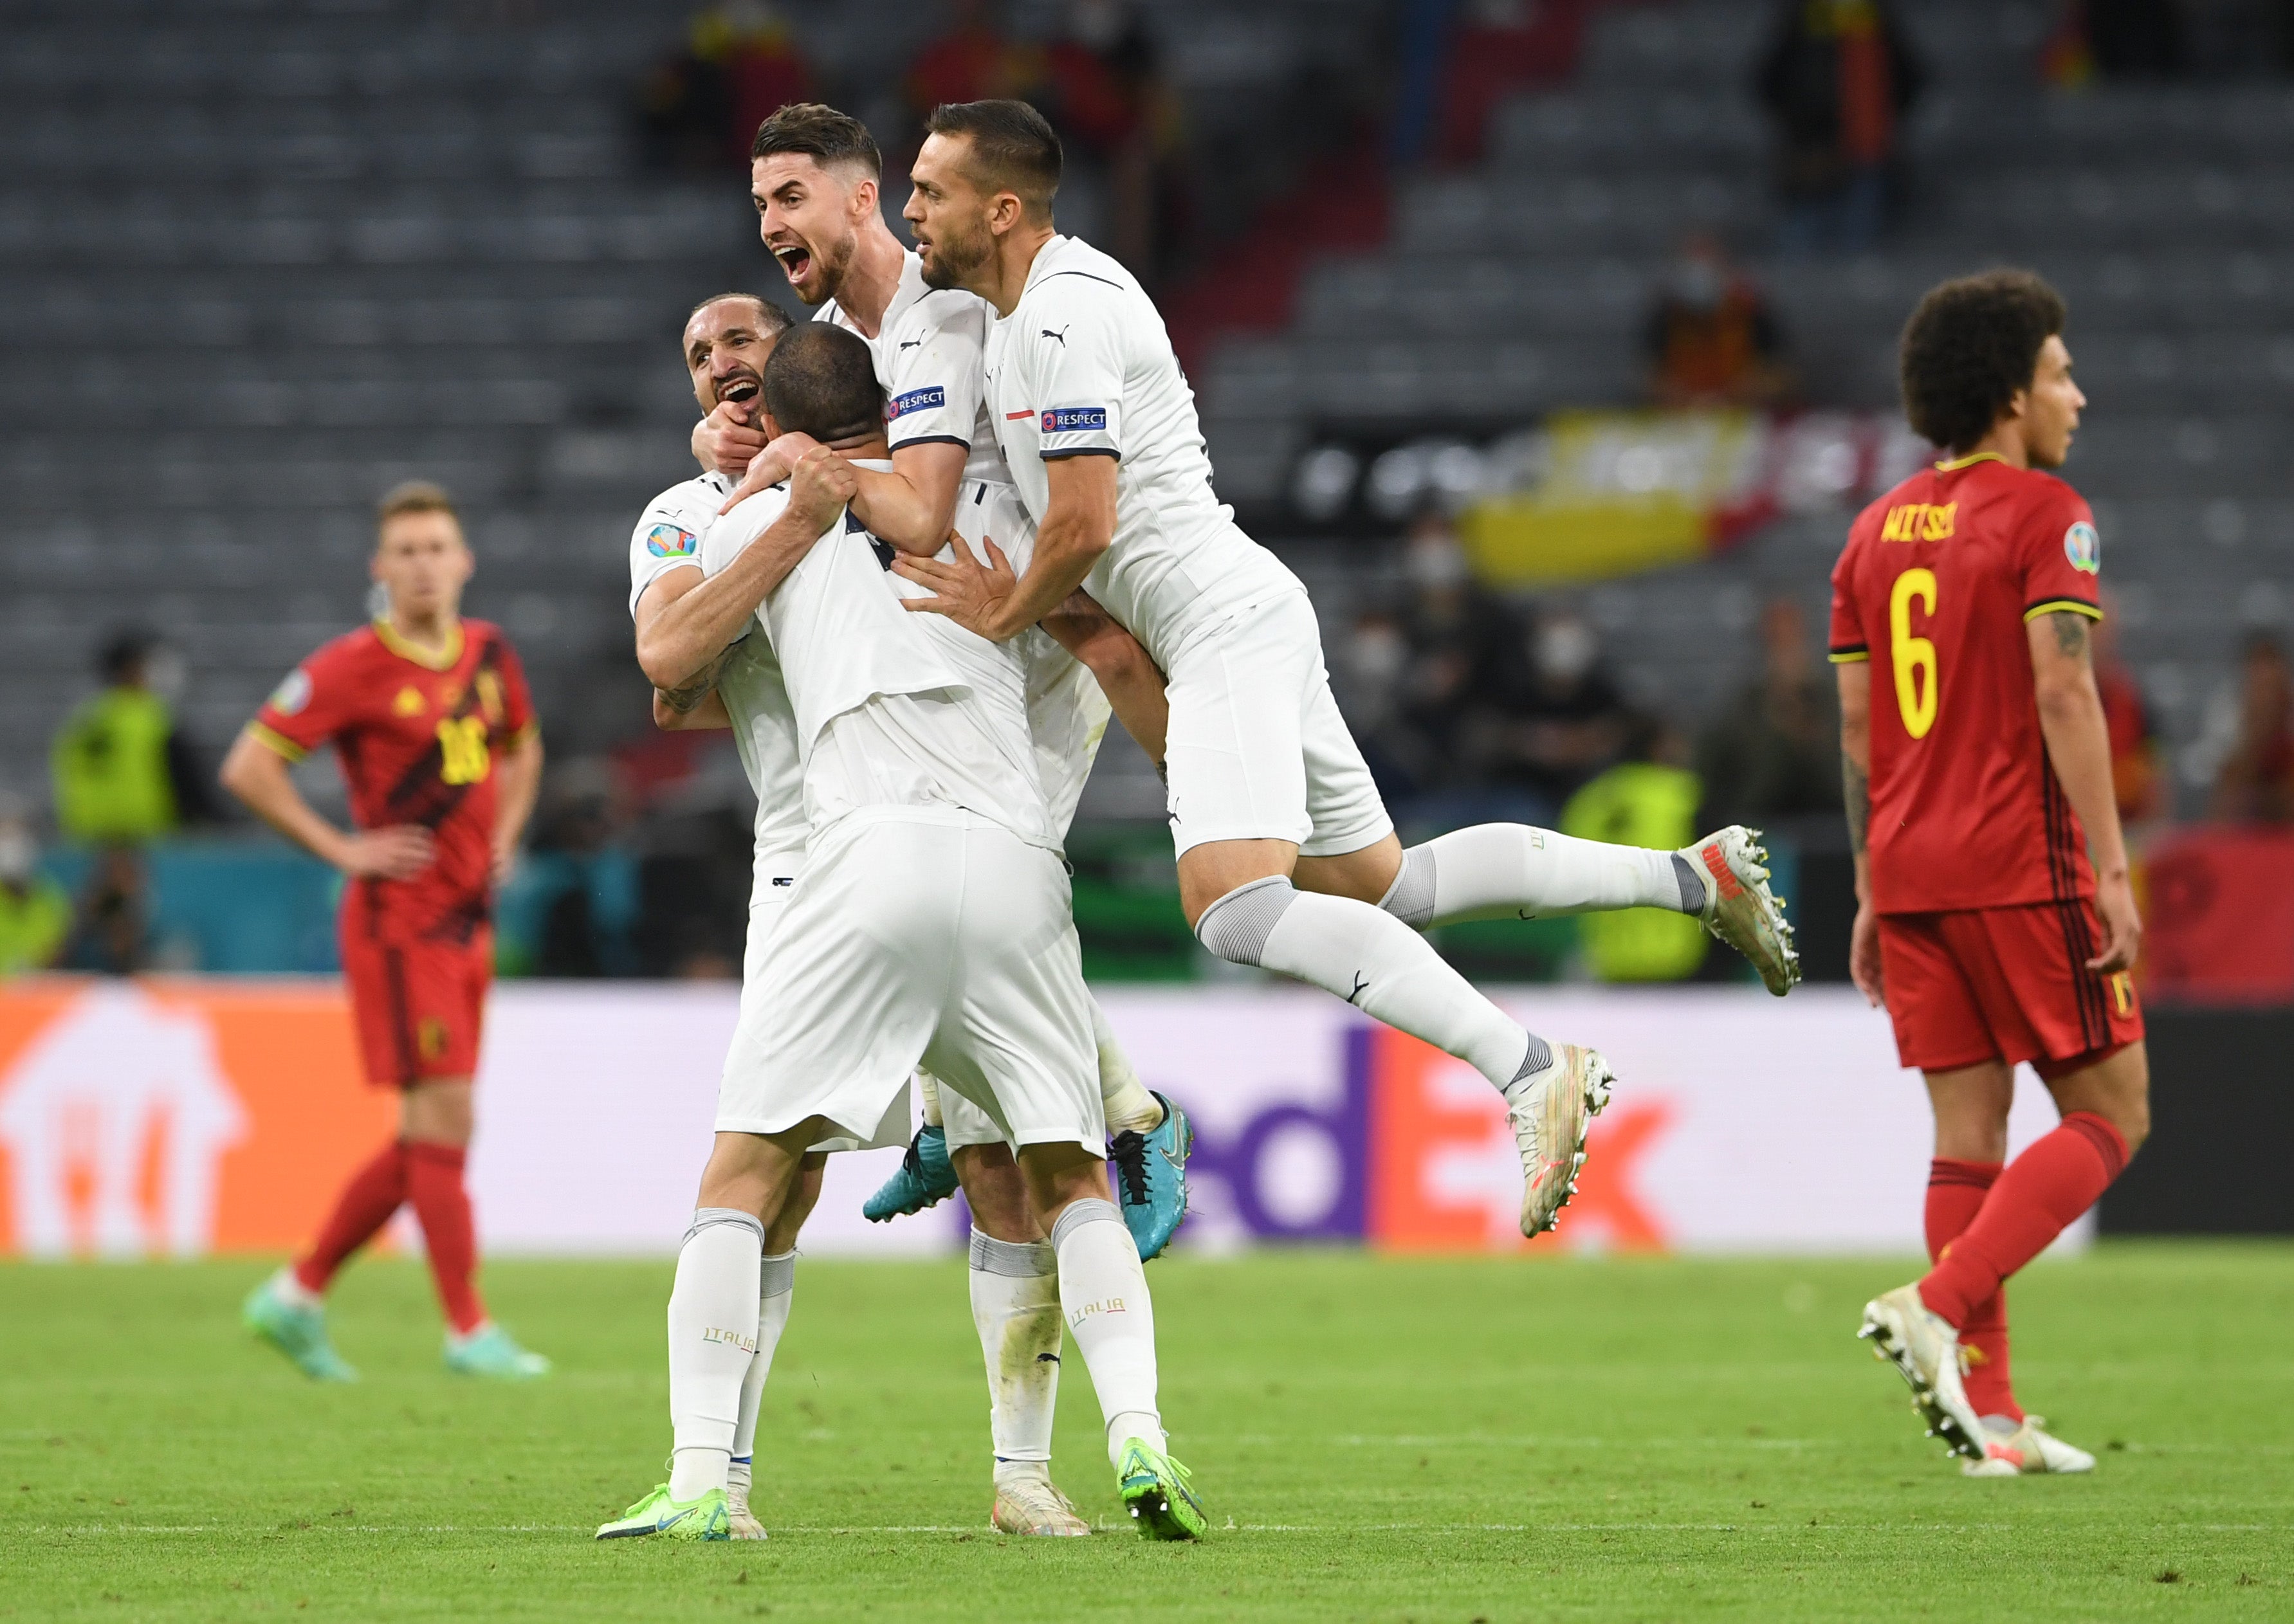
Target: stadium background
[[260, 262]]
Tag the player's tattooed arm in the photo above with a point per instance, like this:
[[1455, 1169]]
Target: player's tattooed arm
[[2079, 751], [1855, 678], [697, 705]]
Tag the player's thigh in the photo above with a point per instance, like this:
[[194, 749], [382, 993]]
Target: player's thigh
[[2076, 1016], [1351, 830], [415, 1006], [1940, 1020], [1235, 750], [1019, 1026], [849, 984]]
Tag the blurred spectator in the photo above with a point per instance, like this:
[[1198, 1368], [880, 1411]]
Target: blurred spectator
[[1648, 800], [1496, 49], [2138, 780], [1774, 752], [1106, 95], [2257, 781], [110, 934], [1564, 719], [973, 61], [1711, 338], [740, 65], [35, 912], [587, 883], [122, 769], [1836, 82]]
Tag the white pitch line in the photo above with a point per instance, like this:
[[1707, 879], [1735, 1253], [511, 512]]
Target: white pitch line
[[1785, 1525]]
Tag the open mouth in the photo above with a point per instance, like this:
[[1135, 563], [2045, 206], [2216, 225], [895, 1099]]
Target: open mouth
[[738, 390], [796, 259]]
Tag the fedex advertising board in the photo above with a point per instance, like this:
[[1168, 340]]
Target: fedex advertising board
[[179, 1116]]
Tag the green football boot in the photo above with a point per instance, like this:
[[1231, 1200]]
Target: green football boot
[[927, 1178], [298, 1330], [706, 1518], [1160, 1493], [494, 1353], [1151, 1178]]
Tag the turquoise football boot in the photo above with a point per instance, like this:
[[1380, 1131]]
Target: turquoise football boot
[[296, 1330], [927, 1178], [492, 1352], [1151, 1178]]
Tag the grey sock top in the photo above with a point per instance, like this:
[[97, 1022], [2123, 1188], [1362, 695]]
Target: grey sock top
[[1019, 1259], [709, 1217], [1410, 898], [1692, 885], [1090, 1209], [776, 1274]]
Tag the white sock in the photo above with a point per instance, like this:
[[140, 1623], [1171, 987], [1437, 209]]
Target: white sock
[[713, 1339], [1512, 868], [1128, 1104], [1103, 1291], [1374, 961], [928, 1099], [285, 1285], [776, 1291], [1015, 1303]]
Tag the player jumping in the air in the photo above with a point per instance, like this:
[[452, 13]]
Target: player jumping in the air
[[1287, 859], [1978, 769], [814, 175], [929, 922], [430, 721]]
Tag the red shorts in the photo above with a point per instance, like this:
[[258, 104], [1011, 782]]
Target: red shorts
[[418, 1005], [2003, 984]]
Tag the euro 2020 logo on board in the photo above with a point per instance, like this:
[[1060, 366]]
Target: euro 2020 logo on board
[[668, 542], [2083, 547]]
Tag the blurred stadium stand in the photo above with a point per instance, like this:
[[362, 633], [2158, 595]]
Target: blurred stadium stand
[[258, 262]]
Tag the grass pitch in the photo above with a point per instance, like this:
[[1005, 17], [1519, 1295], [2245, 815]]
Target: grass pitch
[[1376, 1438]]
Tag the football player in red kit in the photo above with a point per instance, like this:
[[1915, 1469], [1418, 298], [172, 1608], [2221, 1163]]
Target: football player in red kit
[[1995, 916], [431, 722]]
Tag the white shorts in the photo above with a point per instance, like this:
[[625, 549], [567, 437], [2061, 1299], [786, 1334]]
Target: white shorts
[[916, 935], [1257, 749]]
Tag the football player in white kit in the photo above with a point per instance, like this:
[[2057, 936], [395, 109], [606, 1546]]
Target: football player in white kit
[[923, 920], [815, 174], [1287, 858]]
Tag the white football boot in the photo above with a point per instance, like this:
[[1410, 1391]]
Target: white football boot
[[1028, 1504], [1550, 1111], [1924, 1348], [1739, 908], [2024, 1452]]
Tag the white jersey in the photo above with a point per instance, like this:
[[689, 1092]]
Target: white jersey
[[667, 537], [893, 708], [929, 358], [1082, 367], [928, 351]]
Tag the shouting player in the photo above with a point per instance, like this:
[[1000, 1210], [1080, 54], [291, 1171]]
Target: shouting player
[[929, 922], [1287, 859], [430, 718], [814, 177], [1994, 916]]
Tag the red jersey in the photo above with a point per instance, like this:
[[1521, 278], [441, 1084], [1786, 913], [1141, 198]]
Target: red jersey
[[417, 735], [1935, 588]]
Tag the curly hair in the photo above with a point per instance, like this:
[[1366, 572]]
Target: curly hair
[[1972, 343]]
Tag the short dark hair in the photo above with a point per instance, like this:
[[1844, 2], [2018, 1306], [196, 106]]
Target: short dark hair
[[821, 133], [770, 316], [822, 381], [1970, 347], [1013, 149], [414, 495]]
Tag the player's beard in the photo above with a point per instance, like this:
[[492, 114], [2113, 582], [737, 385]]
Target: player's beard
[[957, 255]]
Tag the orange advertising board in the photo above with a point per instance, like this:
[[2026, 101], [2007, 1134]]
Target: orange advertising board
[[176, 1118]]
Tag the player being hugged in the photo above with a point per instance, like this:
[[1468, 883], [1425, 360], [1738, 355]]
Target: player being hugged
[[429, 716], [1994, 916]]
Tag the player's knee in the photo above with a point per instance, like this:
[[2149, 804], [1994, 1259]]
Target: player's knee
[[1237, 925]]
